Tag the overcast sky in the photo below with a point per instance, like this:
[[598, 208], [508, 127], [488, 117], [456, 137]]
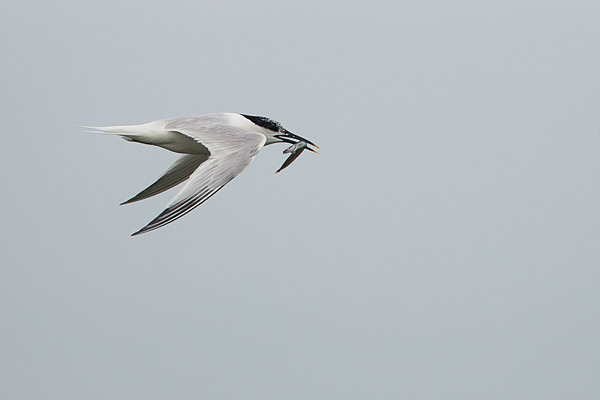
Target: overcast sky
[[443, 245]]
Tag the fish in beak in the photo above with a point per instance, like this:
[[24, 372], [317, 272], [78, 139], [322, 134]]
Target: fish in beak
[[289, 137], [295, 150]]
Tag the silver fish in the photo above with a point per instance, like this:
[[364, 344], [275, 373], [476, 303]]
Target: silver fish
[[296, 149], [299, 146]]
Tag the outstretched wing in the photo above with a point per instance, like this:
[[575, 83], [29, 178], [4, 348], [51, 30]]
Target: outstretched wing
[[231, 151], [177, 173]]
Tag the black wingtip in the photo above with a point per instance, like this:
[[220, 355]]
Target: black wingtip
[[135, 198], [145, 229]]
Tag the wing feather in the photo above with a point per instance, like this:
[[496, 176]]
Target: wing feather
[[177, 173]]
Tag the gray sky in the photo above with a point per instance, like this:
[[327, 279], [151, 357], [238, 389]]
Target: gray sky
[[444, 245]]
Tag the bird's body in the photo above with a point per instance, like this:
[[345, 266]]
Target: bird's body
[[216, 148]]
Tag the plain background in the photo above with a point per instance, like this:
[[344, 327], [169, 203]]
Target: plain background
[[443, 245]]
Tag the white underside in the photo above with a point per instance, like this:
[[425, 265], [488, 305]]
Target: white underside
[[154, 133]]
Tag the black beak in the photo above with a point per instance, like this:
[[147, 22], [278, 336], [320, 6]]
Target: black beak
[[289, 137]]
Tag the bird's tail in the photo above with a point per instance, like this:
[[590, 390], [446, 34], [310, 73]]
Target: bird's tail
[[127, 132], [116, 130]]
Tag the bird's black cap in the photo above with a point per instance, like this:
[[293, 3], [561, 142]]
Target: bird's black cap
[[264, 122]]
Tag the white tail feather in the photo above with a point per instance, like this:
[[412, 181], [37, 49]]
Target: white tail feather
[[119, 130], [154, 133]]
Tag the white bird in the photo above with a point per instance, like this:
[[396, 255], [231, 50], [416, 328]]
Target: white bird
[[216, 148]]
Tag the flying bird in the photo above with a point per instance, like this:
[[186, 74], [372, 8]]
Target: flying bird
[[216, 148]]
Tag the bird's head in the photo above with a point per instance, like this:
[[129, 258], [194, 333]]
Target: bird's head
[[276, 131]]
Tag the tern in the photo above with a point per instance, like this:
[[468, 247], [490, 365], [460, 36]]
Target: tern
[[216, 148]]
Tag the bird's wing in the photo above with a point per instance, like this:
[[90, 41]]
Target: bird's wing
[[231, 151], [177, 173]]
